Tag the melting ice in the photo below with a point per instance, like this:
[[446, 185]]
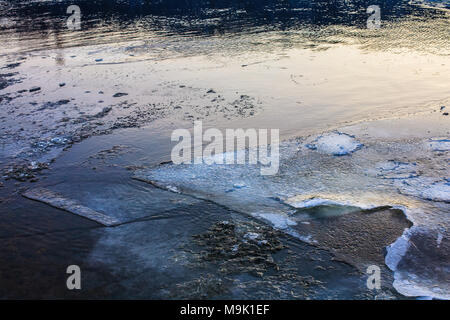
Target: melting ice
[[334, 169]]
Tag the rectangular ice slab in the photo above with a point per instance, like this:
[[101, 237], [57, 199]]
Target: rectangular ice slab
[[58, 201]]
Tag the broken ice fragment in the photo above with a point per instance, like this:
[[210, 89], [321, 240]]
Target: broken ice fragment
[[423, 275], [279, 221], [251, 236], [335, 143], [33, 165], [58, 201]]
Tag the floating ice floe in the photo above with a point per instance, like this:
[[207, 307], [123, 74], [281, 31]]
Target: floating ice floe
[[420, 275], [335, 143], [56, 200], [111, 204]]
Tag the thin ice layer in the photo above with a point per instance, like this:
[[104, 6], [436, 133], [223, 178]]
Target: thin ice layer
[[57, 200], [110, 203]]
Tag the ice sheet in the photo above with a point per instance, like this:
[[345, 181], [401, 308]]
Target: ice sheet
[[402, 174]]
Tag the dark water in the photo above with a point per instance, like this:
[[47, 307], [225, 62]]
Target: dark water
[[107, 21]]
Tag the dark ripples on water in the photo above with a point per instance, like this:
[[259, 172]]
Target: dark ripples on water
[[107, 21]]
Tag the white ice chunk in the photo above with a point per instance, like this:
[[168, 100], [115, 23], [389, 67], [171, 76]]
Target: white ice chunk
[[279, 221], [309, 203], [396, 251], [439, 239], [251, 236], [335, 143], [173, 189], [58, 201]]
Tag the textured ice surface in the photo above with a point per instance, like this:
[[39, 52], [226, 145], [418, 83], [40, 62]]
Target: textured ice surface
[[57, 200], [427, 188], [439, 144], [420, 259], [396, 170], [335, 143], [439, 191], [109, 203], [402, 174]]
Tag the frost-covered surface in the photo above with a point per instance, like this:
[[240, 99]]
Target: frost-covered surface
[[407, 175], [335, 143]]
